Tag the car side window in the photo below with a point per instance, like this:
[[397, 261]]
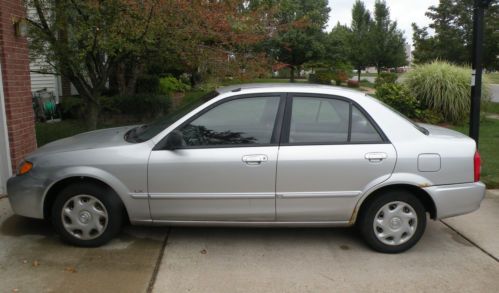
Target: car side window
[[316, 120], [242, 121], [362, 128], [319, 120]]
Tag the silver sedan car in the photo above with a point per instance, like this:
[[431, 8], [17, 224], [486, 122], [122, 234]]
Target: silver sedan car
[[256, 155]]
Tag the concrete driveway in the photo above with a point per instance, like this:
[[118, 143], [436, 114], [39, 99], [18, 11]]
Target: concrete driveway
[[455, 255]]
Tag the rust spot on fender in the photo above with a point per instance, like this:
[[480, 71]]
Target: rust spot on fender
[[423, 185]]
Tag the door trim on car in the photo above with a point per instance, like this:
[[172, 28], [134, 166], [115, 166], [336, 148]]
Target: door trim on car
[[318, 194], [252, 223], [260, 195]]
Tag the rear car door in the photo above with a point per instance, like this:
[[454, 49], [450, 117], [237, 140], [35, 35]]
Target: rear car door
[[330, 151], [225, 171]]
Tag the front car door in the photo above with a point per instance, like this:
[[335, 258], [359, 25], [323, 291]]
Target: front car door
[[225, 170], [330, 152]]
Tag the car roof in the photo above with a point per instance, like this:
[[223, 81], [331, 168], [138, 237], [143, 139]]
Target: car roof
[[289, 87]]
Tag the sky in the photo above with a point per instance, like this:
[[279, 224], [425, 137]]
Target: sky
[[404, 12]]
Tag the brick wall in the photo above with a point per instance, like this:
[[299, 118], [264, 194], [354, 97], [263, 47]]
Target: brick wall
[[16, 82]]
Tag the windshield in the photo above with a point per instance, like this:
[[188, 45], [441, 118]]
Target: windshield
[[147, 131]]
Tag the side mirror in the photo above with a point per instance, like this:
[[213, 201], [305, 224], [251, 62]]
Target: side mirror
[[174, 140]]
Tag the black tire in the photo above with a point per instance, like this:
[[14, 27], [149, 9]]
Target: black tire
[[108, 198], [367, 218]]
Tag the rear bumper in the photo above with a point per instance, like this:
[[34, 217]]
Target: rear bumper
[[456, 199]]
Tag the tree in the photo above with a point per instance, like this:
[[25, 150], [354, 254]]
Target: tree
[[337, 46], [299, 36], [214, 39], [358, 44], [452, 23], [86, 40], [387, 42]]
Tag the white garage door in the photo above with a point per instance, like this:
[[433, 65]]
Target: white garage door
[[5, 165]]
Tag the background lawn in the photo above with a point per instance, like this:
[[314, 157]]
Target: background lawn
[[494, 77], [489, 150]]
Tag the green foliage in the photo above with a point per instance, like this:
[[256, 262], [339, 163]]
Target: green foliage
[[400, 98], [359, 47], [451, 36], [141, 106], [337, 45], [321, 77], [387, 42], [169, 84], [300, 36], [72, 107], [384, 78], [443, 88], [147, 84]]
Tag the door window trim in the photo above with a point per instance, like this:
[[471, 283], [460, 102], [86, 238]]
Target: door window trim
[[284, 140], [276, 132]]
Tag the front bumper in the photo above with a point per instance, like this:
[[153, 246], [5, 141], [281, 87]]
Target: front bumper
[[456, 199], [25, 195]]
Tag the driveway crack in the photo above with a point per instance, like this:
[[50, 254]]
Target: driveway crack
[[158, 262], [470, 241]]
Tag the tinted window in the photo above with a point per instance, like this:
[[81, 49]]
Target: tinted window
[[362, 129], [241, 121], [318, 120]]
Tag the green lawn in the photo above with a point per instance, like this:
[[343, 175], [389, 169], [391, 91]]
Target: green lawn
[[489, 139], [491, 107], [494, 77]]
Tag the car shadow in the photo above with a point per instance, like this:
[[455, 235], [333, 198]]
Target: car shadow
[[21, 226], [341, 238]]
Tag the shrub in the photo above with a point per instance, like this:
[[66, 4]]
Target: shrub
[[140, 106], [385, 77], [72, 107], [444, 88], [353, 83], [170, 84], [340, 76], [147, 84], [398, 97], [321, 77]]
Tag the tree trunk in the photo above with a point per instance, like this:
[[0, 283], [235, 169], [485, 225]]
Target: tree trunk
[[292, 74], [92, 110], [126, 77], [358, 73]]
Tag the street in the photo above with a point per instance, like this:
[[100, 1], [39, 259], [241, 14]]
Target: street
[[494, 90]]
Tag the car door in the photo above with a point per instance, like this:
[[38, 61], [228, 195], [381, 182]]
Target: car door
[[225, 170], [330, 151]]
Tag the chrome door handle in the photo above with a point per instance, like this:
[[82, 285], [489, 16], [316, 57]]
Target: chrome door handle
[[376, 157], [255, 159]]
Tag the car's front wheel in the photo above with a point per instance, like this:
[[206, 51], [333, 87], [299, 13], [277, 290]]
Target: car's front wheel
[[393, 222], [87, 215]]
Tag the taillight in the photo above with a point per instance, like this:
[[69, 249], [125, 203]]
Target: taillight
[[477, 166]]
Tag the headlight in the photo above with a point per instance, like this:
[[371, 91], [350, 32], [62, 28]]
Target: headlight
[[24, 167]]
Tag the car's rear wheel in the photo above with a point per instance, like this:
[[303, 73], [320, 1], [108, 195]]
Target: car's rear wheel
[[87, 214], [393, 222]]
